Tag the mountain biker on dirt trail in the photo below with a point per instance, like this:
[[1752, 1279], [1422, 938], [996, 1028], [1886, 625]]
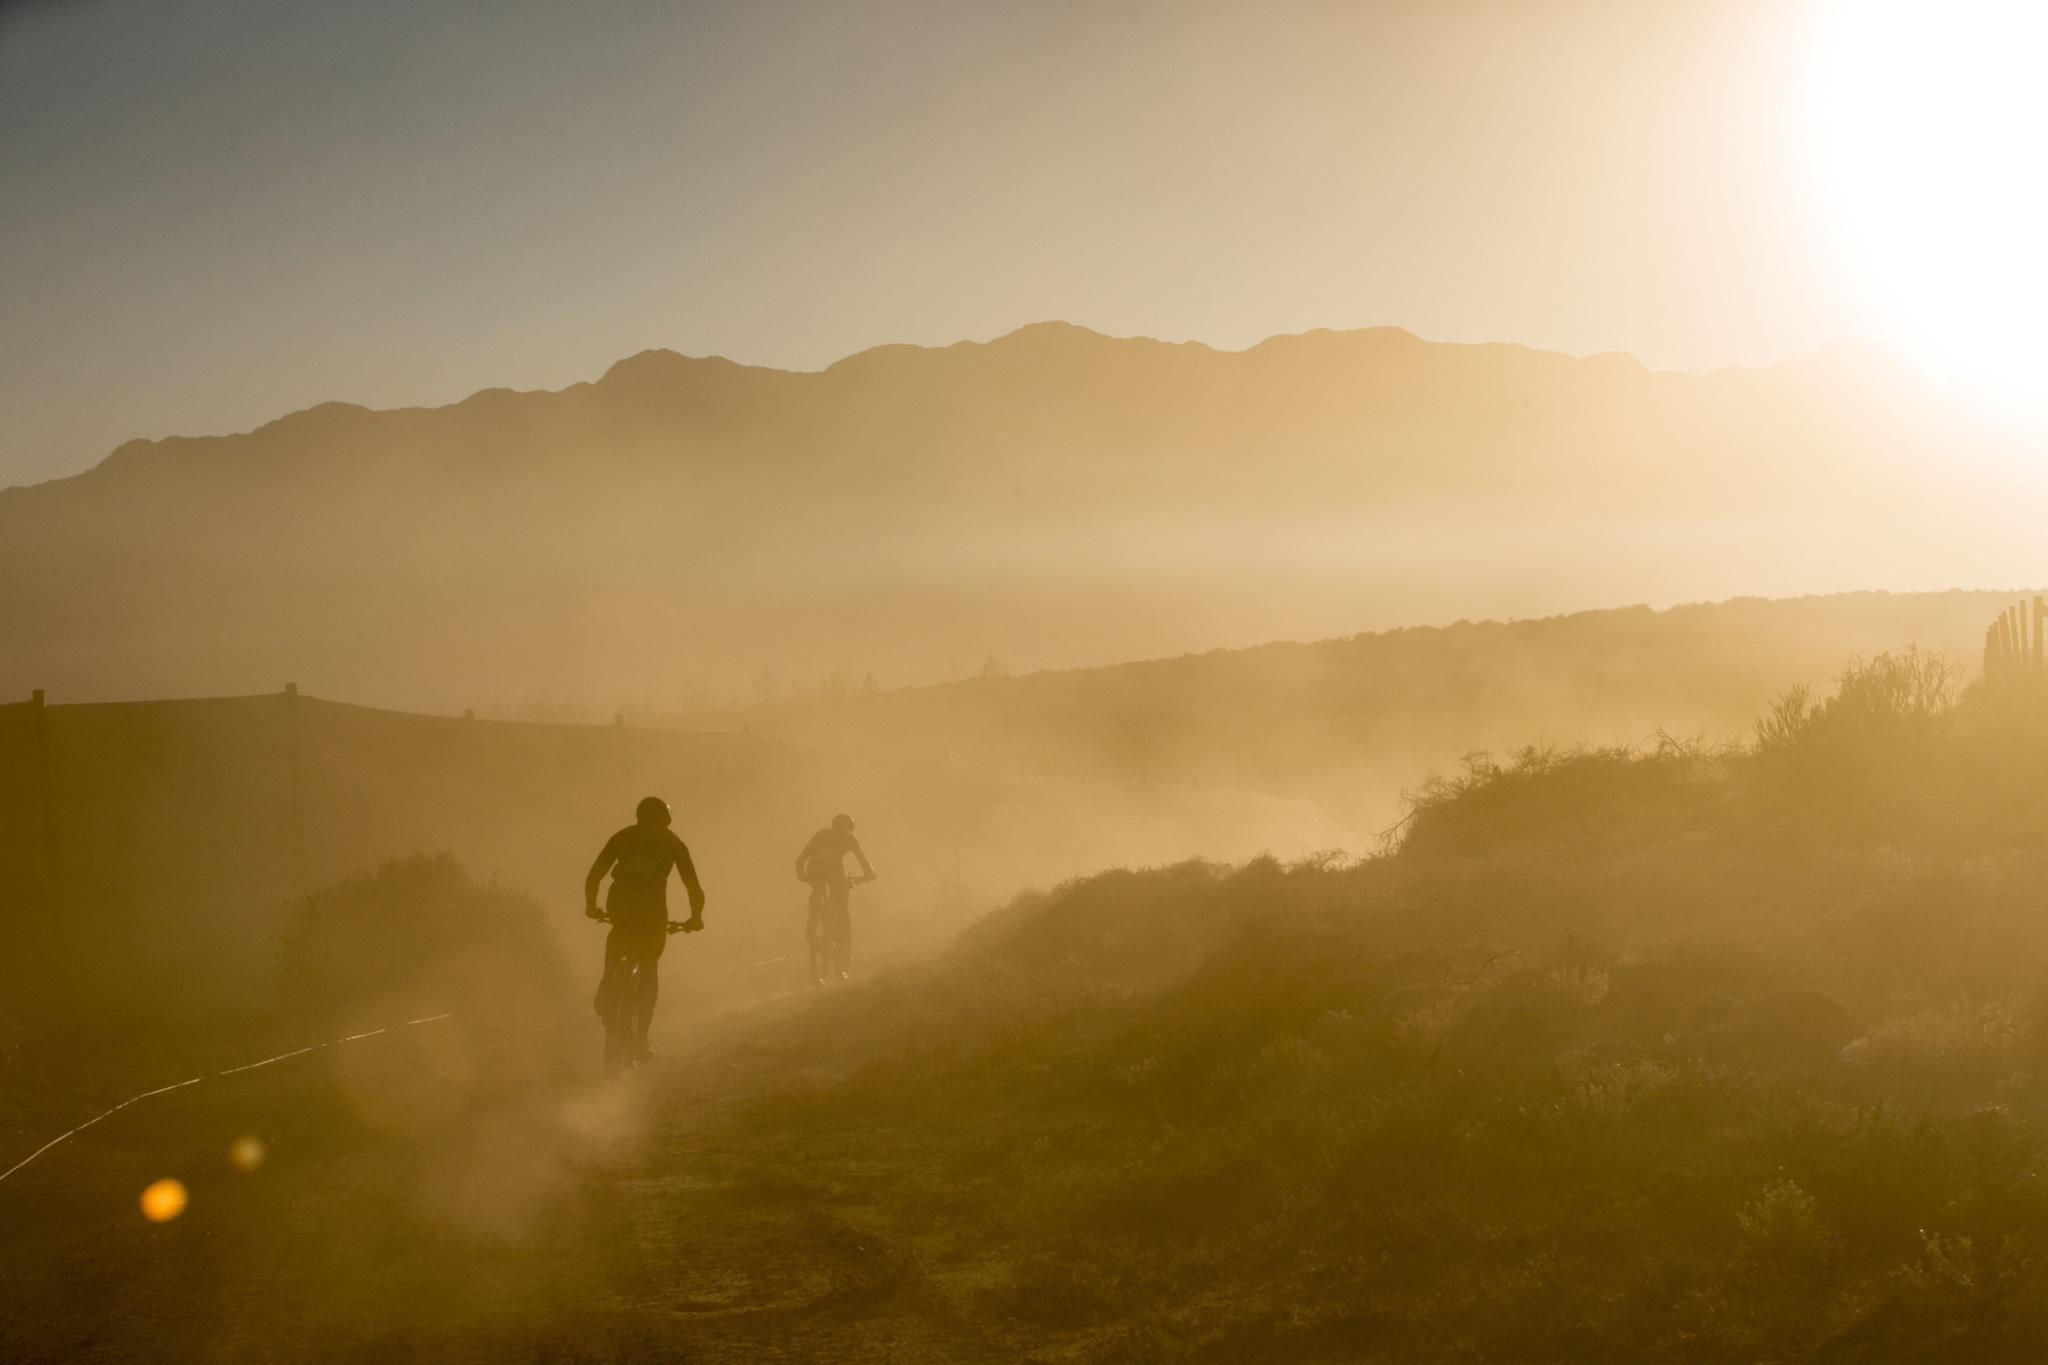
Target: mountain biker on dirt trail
[[639, 858], [823, 865]]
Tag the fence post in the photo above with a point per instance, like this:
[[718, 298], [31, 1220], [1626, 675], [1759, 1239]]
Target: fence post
[[294, 802], [46, 784], [2040, 612]]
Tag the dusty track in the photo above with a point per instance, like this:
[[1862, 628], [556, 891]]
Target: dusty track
[[421, 1208]]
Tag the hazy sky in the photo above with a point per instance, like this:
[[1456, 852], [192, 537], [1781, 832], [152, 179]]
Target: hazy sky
[[215, 211]]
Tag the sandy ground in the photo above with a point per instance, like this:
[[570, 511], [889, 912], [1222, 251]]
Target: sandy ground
[[432, 1196]]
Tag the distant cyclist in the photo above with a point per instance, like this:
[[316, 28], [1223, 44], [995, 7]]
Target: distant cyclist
[[829, 929], [639, 857]]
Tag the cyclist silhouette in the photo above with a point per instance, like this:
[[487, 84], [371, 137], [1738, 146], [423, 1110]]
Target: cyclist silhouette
[[639, 858], [829, 928]]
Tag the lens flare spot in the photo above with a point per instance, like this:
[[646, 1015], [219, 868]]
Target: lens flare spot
[[163, 1201], [247, 1153]]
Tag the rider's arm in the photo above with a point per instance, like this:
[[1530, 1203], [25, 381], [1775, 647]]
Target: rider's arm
[[687, 870], [860, 857], [604, 862]]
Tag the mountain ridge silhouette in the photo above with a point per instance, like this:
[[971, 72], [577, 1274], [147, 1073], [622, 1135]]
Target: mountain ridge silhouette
[[1055, 495], [663, 364]]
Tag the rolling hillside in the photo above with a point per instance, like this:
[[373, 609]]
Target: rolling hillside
[[1354, 721], [192, 823]]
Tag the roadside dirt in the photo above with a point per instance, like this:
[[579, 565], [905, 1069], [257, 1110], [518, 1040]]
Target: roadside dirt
[[428, 1196]]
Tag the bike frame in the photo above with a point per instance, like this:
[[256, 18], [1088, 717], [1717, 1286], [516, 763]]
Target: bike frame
[[830, 910]]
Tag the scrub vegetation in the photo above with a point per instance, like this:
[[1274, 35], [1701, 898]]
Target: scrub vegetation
[[420, 934], [1671, 1053]]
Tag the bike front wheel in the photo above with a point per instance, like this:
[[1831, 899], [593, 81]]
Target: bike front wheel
[[625, 1040]]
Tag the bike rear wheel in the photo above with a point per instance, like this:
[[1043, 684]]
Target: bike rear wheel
[[835, 941]]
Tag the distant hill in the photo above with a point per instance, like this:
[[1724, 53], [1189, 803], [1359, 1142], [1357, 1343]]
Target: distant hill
[[1354, 721], [1054, 497], [192, 825]]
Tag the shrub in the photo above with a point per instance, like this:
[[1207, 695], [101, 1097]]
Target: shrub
[[1542, 795], [419, 935]]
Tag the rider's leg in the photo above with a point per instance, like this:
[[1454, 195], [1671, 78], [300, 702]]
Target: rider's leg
[[814, 931], [650, 987], [649, 938], [607, 996], [609, 989], [841, 935]]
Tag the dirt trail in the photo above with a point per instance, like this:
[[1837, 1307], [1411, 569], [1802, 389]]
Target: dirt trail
[[421, 1202], [715, 1255]]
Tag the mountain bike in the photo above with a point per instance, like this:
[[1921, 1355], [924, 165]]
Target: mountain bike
[[629, 999], [829, 932]]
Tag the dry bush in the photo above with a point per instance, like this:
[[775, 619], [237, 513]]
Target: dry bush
[[418, 936]]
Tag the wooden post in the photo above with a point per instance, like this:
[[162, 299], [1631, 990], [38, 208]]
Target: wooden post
[[46, 782], [2040, 614], [295, 810]]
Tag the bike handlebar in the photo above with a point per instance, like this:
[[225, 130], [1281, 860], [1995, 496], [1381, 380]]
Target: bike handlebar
[[686, 926]]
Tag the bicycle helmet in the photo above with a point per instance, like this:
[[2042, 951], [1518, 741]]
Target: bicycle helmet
[[652, 810], [843, 823]]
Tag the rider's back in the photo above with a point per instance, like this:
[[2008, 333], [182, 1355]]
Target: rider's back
[[824, 857], [642, 856]]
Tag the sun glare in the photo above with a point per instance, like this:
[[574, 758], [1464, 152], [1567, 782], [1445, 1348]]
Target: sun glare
[[1934, 124]]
